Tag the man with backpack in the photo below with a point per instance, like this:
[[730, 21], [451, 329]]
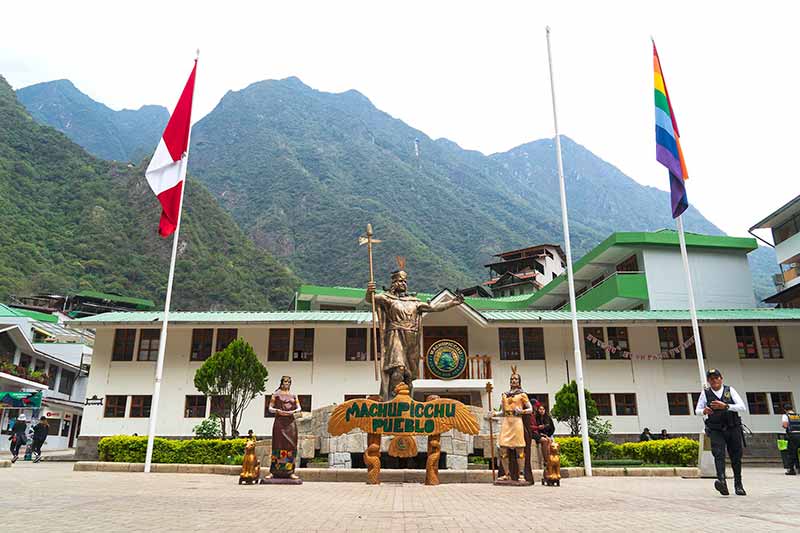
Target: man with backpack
[[791, 423], [721, 405]]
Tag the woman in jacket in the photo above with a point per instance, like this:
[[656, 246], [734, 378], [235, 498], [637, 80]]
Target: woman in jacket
[[18, 438], [543, 430], [40, 432]]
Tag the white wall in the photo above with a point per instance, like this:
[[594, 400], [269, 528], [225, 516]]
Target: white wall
[[721, 280], [329, 377]]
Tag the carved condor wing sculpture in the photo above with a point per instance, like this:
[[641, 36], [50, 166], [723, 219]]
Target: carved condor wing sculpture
[[402, 416]]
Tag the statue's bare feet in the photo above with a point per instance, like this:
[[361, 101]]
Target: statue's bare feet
[[294, 476], [503, 478], [268, 476]]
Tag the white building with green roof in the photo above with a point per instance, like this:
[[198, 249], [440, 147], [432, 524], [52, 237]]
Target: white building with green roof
[[639, 354]]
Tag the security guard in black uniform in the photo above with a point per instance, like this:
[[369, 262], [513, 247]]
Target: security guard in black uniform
[[722, 405], [791, 422]]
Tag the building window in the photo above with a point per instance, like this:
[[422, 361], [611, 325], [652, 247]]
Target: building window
[[678, 403], [221, 406], [225, 336], [148, 344], [533, 343], [140, 406], [603, 403], [690, 352], [303, 344], [542, 398], [695, 398], [509, 344], [631, 264], [592, 350], [348, 397], [54, 425], [757, 403], [305, 402], [667, 340], [770, 343], [278, 345], [625, 404], [65, 428], [115, 406], [618, 337], [201, 344], [372, 344], [746, 342], [123, 345], [52, 375], [67, 380], [195, 407], [355, 344], [25, 361], [39, 365], [779, 399]]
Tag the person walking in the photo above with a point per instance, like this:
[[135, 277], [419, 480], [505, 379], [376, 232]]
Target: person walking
[[40, 432], [18, 438], [721, 405], [791, 423]]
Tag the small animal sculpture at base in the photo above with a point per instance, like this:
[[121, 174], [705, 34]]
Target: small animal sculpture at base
[[552, 471], [251, 466]]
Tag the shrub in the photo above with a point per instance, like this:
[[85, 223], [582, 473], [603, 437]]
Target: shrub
[[572, 450], [599, 430], [607, 450], [209, 428], [125, 449], [680, 451]]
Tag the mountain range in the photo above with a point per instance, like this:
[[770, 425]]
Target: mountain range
[[72, 221], [303, 171]]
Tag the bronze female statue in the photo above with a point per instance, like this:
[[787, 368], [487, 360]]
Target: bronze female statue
[[284, 405]]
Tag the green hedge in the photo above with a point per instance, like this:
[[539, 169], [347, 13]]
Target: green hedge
[[668, 452], [124, 449]]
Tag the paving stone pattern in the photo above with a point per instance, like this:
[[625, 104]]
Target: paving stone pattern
[[111, 501]]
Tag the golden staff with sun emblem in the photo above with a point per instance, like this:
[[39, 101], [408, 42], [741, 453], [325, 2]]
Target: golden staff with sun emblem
[[369, 241]]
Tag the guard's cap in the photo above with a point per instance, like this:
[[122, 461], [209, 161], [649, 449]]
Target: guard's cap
[[713, 372]]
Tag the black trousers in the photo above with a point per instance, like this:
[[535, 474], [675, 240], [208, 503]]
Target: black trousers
[[792, 446], [730, 438], [36, 446], [15, 446]]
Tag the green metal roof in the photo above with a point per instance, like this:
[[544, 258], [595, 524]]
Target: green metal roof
[[364, 317], [231, 317], [704, 315], [8, 311], [139, 302]]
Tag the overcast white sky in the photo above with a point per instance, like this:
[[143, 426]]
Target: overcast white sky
[[474, 72]]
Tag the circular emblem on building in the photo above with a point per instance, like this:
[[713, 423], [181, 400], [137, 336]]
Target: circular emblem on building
[[446, 359]]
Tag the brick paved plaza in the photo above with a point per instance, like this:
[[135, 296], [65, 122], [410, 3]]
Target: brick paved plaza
[[51, 497]]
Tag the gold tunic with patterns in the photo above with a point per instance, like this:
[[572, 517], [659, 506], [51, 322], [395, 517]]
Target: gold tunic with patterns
[[512, 432]]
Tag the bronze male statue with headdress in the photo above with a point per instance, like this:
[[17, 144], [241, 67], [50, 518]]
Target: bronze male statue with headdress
[[399, 315]]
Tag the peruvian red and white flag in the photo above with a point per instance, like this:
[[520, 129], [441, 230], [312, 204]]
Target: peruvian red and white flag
[[166, 171]]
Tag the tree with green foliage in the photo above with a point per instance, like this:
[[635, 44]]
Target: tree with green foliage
[[566, 408], [236, 374]]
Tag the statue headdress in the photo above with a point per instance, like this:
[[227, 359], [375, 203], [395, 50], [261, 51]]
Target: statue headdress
[[400, 273], [515, 373]]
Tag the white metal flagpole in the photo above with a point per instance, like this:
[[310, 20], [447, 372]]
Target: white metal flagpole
[[587, 459], [701, 366], [162, 340]]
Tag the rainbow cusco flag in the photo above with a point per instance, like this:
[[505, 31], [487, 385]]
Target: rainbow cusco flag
[[668, 143]]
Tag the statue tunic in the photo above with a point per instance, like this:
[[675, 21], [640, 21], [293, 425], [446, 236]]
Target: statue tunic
[[512, 430], [284, 436], [400, 326]]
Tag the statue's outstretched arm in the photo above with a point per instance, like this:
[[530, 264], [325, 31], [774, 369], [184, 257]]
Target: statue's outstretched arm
[[435, 308]]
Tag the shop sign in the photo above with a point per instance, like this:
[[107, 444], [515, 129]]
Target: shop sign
[[446, 359]]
